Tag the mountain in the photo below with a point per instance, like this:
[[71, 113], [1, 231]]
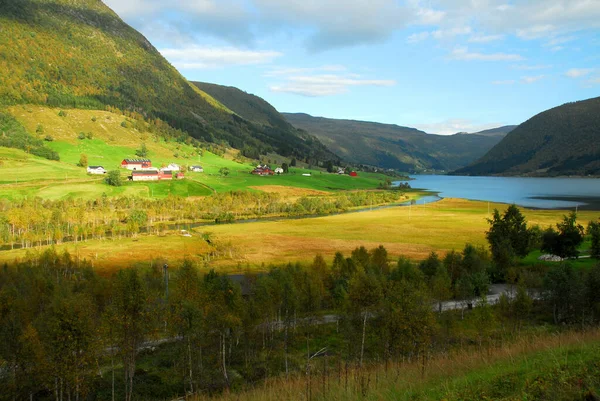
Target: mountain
[[393, 146], [261, 113], [564, 140], [499, 132], [80, 54]]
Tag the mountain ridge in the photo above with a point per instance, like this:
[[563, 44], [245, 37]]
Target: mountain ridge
[[81, 54], [393, 146], [564, 140]]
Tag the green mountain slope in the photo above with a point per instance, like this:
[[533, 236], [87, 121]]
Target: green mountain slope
[[564, 140], [79, 53], [393, 146], [261, 113]]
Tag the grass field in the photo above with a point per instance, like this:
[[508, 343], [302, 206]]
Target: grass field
[[560, 367], [410, 231], [27, 176]]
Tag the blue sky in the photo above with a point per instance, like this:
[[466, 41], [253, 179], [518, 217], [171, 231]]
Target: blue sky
[[443, 66]]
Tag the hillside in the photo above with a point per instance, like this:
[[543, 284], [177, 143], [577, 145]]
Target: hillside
[[500, 131], [248, 106], [393, 146], [80, 54], [564, 140]]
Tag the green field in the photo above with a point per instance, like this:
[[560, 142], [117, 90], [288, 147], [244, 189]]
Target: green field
[[110, 143], [413, 232]]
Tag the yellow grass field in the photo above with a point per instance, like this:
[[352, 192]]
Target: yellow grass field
[[410, 231]]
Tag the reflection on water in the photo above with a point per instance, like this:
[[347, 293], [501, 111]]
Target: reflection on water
[[543, 193]]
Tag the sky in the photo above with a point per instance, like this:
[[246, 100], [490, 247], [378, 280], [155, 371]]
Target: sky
[[443, 66]]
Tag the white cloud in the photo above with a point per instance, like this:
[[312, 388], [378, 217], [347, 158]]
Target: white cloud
[[196, 57], [325, 24], [462, 53], [535, 32], [455, 125], [451, 33], [304, 81], [283, 71], [428, 16], [505, 82], [578, 72], [532, 79], [418, 37], [479, 38]]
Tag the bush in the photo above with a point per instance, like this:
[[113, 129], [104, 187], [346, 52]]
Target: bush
[[114, 178], [89, 135], [81, 135], [48, 138], [94, 118], [62, 113]]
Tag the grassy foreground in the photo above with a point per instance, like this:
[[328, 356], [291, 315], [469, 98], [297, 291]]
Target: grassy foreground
[[547, 367], [409, 231]]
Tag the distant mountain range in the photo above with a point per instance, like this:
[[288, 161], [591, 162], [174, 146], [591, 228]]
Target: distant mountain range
[[564, 140], [397, 147], [80, 54]]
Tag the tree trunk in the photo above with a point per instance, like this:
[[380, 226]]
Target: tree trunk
[[362, 346], [224, 362]]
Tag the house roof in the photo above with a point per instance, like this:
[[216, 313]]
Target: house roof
[[196, 166], [95, 167], [145, 172], [136, 160]]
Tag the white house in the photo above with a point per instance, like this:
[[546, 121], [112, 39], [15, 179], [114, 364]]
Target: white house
[[172, 167], [96, 170], [196, 169], [278, 170]]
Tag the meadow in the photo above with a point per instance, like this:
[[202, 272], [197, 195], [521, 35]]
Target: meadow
[[114, 137], [413, 232]]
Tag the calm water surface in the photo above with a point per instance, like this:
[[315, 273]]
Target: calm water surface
[[544, 193]]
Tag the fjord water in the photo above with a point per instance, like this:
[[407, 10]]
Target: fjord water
[[543, 193]]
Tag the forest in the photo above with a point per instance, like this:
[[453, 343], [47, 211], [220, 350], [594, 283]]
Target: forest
[[30, 222], [167, 331]]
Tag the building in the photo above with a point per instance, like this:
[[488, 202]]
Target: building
[[173, 167], [353, 174], [165, 175], [196, 169], [262, 170], [96, 170], [180, 176], [278, 170], [148, 175], [136, 164]]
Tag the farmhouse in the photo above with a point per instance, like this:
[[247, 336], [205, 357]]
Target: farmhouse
[[263, 170], [136, 164], [173, 167], [96, 170], [149, 175], [165, 175], [180, 176], [196, 169]]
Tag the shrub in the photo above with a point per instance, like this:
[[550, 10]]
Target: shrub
[[89, 135], [62, 113], [81, 135], [48, 138], [114, 178]]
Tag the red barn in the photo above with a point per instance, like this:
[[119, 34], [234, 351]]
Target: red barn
[[354, 174], [136, 164], [165, 175]]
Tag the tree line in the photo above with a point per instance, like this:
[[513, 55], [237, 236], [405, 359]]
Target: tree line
[[30, 222]]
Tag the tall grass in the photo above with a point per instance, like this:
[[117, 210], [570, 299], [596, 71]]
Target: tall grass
[[443, 377]]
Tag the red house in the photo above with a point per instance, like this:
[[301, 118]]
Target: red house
[[263, 170], [165, 175], [353, 174], [136, 164]]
